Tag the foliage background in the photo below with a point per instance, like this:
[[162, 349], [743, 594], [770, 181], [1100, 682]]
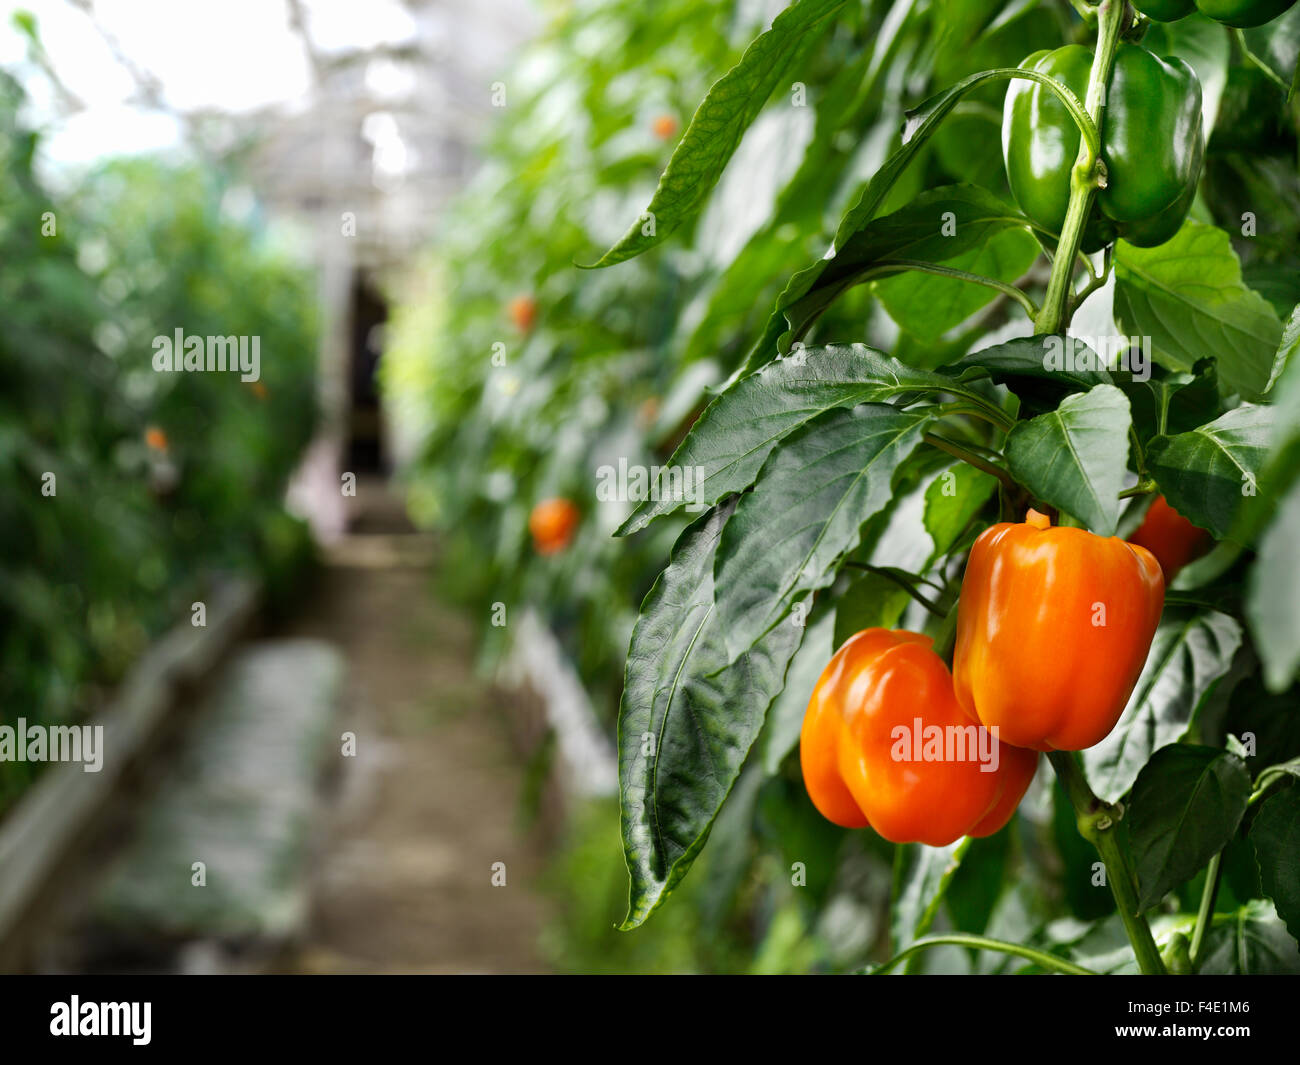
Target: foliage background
[[623, 359], [133, 535]]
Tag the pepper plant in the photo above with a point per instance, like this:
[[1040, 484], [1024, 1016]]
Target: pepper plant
[[1092, 322]]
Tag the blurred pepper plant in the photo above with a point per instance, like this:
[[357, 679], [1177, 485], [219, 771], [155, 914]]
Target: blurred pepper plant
[[833, 305], [122, 490]]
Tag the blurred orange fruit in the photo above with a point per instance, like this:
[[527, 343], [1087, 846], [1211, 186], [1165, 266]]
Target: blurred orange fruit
[[664, 127], [552, 524], [523, 312], [155, 438]]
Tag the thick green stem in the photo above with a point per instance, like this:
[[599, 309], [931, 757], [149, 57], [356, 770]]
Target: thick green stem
[[1088, 175], [1097, 823], [960, 939]]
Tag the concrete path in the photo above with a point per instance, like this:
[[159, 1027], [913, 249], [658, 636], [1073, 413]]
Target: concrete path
[[430, 802]]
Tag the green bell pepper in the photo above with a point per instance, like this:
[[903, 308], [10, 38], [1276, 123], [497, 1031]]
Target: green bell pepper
[[1165, 10], [1243, 14], [1152, 144]]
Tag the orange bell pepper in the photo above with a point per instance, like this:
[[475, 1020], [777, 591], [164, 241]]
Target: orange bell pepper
[[1053, 629], [884, 744], [1169, 536]]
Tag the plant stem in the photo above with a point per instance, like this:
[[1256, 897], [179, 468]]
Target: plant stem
[[920, 266], [1206, 911], [1097, 823], [902, 582], [962, 939], [1263, 67], [1273, 773], [1088, 175], [957, 451], [1142, 488], [978, 407]]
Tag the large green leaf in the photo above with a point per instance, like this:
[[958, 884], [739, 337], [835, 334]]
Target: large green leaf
[[687, 717], [1207, 473], [785, 719], [715, 131], [1187, 803], [805, 512], [1192, 649], [1075, 457], [1252, 941], [1276, 44], [739, 429], [1188, 296], [1275, 834], [1287, 348], [1273, 594]]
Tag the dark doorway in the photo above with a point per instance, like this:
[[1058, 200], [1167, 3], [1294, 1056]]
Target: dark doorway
[[365, 430]]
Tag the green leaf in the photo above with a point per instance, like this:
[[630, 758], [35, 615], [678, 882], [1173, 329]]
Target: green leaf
[[1206, 474], [1188, 296], [1187, 803], [1273, 594], [805, 512], [25, 22], [1276, 44], [1287, 348], [1191, 651], [715, 131], [1275, 834], [1075, 457], [1065, 362], [699, 713], [922, 876], [939, 225], [1252, 941], [952, 502], [872, 601], [785, 719], [734, 436], [928, 306]]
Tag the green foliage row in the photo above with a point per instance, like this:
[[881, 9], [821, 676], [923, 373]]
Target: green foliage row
[[810, 389], [123, 490]]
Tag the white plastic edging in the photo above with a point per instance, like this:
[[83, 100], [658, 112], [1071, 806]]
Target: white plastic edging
[[537, 658]]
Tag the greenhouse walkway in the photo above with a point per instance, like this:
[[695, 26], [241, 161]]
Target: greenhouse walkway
[[430, 802]]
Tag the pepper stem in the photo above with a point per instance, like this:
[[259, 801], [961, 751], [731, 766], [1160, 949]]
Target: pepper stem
[[1097, 823]]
